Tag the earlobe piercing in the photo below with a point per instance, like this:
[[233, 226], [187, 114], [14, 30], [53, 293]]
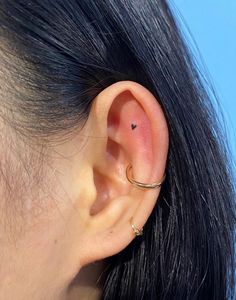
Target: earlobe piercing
[[133, 126], [136, 230]]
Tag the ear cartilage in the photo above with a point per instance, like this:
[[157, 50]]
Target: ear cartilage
[[133, 126]]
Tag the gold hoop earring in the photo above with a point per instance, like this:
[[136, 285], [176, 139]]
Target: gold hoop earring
[[136, 230], [141, 184]]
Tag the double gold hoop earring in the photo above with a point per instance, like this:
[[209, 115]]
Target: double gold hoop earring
[[141, 185]]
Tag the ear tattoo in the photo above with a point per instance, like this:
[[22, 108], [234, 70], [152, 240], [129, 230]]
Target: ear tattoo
[[133, 126]]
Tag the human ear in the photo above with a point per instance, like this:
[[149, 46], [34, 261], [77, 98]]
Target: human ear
[[126, 125]]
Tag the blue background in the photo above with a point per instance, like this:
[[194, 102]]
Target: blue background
[[212, 24]]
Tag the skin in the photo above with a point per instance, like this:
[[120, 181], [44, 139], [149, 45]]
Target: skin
[[56, 233]]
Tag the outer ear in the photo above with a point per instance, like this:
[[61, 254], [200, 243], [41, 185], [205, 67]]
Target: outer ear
[[128, 126]]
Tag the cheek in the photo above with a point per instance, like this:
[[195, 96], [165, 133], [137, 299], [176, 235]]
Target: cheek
[[40, 229], [54, 247], [28, 190], [44, 258]]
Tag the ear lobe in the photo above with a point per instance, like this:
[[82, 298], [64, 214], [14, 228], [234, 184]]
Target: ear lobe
[[135, 131]]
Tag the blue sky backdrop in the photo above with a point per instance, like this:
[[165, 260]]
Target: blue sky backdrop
[[212, 24]]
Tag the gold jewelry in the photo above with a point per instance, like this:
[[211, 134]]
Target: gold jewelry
[[141, 184], [136, 230]]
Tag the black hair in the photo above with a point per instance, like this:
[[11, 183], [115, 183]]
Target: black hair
[[67, 51]]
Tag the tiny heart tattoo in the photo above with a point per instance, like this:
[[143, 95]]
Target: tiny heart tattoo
[[133, 126]]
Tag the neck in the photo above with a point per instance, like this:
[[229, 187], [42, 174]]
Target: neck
[[87, 284]]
